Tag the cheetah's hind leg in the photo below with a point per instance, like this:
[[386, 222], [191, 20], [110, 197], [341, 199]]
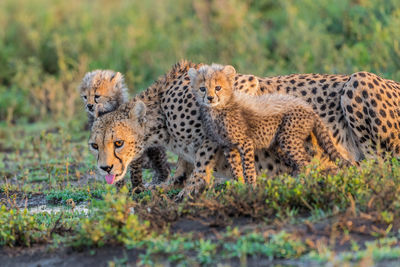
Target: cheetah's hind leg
[[246, 150], [294, 152]]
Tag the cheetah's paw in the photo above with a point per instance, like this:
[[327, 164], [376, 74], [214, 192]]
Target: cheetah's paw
[[191, 190]]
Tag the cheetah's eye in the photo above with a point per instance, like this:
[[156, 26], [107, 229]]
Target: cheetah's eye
[[96, 97], [119, 143], [217, 88], [84, 97], [94, 146], [203, 89]]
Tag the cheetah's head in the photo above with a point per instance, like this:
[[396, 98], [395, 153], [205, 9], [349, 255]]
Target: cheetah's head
[[117, 139], [213, 85], [103, 91]]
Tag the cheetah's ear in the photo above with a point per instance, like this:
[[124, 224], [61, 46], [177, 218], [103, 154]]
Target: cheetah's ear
[[116, 77], [192, 74], [229, 71], [138, 111]]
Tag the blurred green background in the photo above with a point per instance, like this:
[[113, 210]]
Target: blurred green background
[[46, 46]]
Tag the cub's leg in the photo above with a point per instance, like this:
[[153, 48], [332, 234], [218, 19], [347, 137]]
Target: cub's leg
[[293, 151], [235, 162], [246, 150]]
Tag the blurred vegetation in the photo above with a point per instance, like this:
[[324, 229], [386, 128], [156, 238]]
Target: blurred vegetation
[[47, 45]]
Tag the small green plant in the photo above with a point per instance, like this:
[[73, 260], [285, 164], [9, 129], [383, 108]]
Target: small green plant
[[18, 228], [111, 221], [76, 194], [281, 245]]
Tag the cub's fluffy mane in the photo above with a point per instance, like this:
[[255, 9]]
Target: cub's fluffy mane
[[210, 69], [96, 77], [268, 104], [206, 71]]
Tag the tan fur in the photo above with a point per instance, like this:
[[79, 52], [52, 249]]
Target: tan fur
[[269, 104]]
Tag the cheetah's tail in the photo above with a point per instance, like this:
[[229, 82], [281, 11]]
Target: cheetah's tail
[[325, 141]]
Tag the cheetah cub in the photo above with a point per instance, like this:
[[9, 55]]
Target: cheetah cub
[[241, 123], [103, 91]]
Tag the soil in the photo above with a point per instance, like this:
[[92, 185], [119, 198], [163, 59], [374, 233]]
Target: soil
[[41, 256], [20, 200]]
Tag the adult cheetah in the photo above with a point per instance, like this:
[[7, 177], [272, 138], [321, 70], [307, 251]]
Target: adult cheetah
[[172, 120]]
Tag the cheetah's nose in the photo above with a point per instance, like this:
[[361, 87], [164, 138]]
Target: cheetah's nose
[[90, 107], [106, 168], [210, 98]]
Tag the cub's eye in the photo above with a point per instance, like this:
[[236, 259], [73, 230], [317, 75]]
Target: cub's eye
[[96, 97], [203, 89], [84, 97], [217, 88], [119, 143], [94, 146]]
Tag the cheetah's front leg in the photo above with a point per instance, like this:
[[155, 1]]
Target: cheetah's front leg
[[159, 163], [233, 158], [246, 150], [136, 176], [201, 175], [183, 170]]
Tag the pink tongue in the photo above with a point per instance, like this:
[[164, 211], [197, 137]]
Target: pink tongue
[[110, 178]]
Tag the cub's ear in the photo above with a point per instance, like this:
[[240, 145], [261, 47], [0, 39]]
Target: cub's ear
[[138, 111], [192, 74], [229, 71], [116, 77]]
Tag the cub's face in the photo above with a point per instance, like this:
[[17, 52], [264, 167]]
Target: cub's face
[[99, 91], [116, 140], [212, 87]]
